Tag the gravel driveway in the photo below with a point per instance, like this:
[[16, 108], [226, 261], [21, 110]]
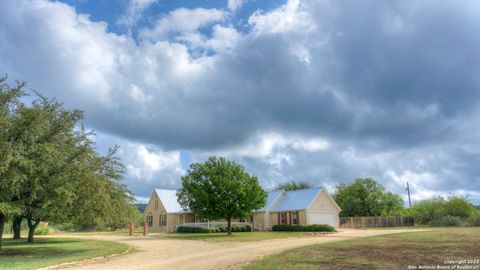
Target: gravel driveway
[[164, 253]]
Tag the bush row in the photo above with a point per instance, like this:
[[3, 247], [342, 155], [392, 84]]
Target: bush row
[[184, 229], [451, 211], [449, 220], [303, 228]]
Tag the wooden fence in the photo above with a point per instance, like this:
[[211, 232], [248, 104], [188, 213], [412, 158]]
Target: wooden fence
[[375, 222]]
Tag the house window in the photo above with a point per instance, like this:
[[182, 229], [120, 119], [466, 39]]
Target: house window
[[282, 218], [163, 220], [295, 219], [149, 220]]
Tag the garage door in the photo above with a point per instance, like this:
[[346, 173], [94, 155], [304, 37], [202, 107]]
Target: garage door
[[323, 218]]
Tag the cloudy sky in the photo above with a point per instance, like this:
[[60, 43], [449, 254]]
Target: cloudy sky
[[318, 91]]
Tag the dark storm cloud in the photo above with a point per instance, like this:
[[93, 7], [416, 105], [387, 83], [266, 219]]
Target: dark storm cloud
[[392, 86], [377, 70]]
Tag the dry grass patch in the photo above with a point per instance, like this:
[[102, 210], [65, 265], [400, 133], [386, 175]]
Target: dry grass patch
[[394, 251]]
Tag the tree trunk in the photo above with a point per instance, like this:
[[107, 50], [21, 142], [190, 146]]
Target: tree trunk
[[17, 227], [229, 226], [2, 224], [31, 228]]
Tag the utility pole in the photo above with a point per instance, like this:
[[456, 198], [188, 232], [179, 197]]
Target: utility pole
[[409, 201]]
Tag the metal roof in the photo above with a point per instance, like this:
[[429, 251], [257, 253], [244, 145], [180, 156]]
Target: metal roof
[[168, 197], [272, 195], [285, 200], [296, 199]]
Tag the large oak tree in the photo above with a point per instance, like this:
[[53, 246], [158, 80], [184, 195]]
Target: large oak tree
[[49, 167], [9, 153], [220, 189]]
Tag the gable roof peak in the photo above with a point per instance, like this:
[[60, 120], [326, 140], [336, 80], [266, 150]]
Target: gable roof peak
[[168, 197]]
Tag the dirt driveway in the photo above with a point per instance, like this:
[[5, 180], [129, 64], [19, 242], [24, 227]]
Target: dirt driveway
[[163, 253]]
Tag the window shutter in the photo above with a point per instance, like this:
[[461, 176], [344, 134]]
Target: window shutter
[[290, 217], [278, 215], [298, 218]]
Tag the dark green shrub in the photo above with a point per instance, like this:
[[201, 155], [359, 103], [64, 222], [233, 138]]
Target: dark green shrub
[[303, 228], [223, 229], [447, 221], [473, 221], [184, 229], [281, 228], [248, 228], [243, 229]]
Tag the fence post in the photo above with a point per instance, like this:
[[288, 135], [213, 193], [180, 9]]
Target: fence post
[[145, 228], [351, 223], [131, 229]]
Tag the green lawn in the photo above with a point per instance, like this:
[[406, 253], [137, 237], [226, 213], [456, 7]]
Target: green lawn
[[395, 251], [51, 251], [238, 236]]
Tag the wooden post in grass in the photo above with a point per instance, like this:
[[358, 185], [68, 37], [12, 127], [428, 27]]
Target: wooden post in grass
[[132, 227]]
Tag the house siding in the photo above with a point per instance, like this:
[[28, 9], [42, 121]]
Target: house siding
[[302, 215], [155, 212], [323, 204], [259, 221], [172, 221]]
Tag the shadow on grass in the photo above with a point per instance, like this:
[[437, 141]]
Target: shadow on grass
[[38, 251], [38, 241], [40, 247]]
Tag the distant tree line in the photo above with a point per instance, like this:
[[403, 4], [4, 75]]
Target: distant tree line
[[293, 185], [367, 197], [50, 169]]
